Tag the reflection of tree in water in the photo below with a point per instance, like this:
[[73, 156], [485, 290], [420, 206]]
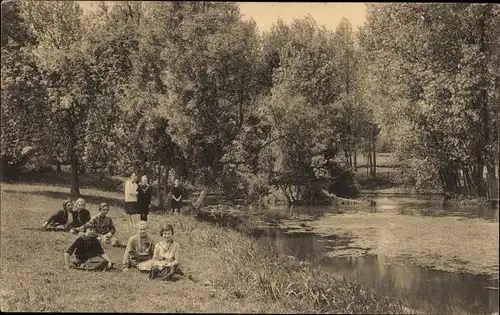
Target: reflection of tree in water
[[421, 288], [304, 246]]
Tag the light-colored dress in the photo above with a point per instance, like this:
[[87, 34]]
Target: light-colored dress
[[139, 253], [166, 252]]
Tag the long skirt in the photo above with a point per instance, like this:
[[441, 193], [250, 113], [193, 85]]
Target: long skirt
[[145, 265], [166, 273], [96, 263]]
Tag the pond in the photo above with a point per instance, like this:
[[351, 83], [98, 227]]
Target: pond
[[420, 288], [376, 246]]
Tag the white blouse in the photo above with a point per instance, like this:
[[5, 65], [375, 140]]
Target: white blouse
[[130, 191]]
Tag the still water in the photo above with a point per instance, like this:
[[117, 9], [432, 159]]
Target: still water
[[420, 288]]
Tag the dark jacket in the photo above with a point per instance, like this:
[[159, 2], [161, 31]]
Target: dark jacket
[[143, 197], [60, 217], [85, 247], [80, 218]]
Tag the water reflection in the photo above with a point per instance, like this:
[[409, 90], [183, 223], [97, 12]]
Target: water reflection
[[424, 289], [404, 205], [420, 288]]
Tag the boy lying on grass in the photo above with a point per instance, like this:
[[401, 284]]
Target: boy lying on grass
[[59, 220], [80, 216], [139, 251], [104, 226], [88, 253]]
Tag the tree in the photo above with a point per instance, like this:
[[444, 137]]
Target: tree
[[435, 86], [209, 75], [74, 78], [24, 94], [289, 158]]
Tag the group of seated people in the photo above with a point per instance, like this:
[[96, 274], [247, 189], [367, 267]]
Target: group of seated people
[[160, 260]]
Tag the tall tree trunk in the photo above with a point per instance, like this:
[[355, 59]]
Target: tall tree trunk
[[355, 161], [166, 188], [75, 183], [58, 167], [492, 182], [470, 181], [369, 162], [346, 156], [201, 198], [482, 105], [159, 190], [374, 160]]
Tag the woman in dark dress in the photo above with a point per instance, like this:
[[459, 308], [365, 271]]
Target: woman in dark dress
[[59, 220], [143, 197], [176, 192]]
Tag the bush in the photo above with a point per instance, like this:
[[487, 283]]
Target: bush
[[342, 182], [420, 174], [257, 189]]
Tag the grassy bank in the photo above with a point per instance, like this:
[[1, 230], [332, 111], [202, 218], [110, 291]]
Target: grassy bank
[[233, 273]]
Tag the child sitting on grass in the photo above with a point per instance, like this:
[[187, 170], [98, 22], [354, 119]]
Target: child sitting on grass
[[104, 226], [59, 220], [88, 253]]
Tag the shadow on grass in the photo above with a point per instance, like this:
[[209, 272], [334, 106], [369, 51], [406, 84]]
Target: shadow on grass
[[87, 181], [66, 195]]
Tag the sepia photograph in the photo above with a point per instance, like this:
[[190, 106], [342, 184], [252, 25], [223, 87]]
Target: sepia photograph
[[249, 157]]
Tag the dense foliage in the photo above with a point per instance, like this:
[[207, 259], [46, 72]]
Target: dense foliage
[[194, 91]]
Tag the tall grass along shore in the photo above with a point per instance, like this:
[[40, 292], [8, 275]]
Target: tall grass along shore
[[232, 273]]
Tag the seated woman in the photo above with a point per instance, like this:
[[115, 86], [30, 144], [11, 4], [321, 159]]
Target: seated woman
[[59, 220], [104, 226], [139, 251], [166, 257], [88, 253], [80, 216]]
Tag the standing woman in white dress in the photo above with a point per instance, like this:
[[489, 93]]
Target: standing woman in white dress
[[131, 199]]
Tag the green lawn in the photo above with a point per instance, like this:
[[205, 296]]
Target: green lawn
[[233, 273]]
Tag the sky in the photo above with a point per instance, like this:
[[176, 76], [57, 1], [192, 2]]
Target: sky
[[328, 14]]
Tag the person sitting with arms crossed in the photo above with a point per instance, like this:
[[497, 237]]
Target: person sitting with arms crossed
[[88, 253]]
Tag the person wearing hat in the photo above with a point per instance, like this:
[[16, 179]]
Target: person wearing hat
[[60, 218], [139, 251], [104, 226]]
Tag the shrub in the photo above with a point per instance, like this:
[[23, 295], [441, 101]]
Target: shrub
[[342, 182]]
